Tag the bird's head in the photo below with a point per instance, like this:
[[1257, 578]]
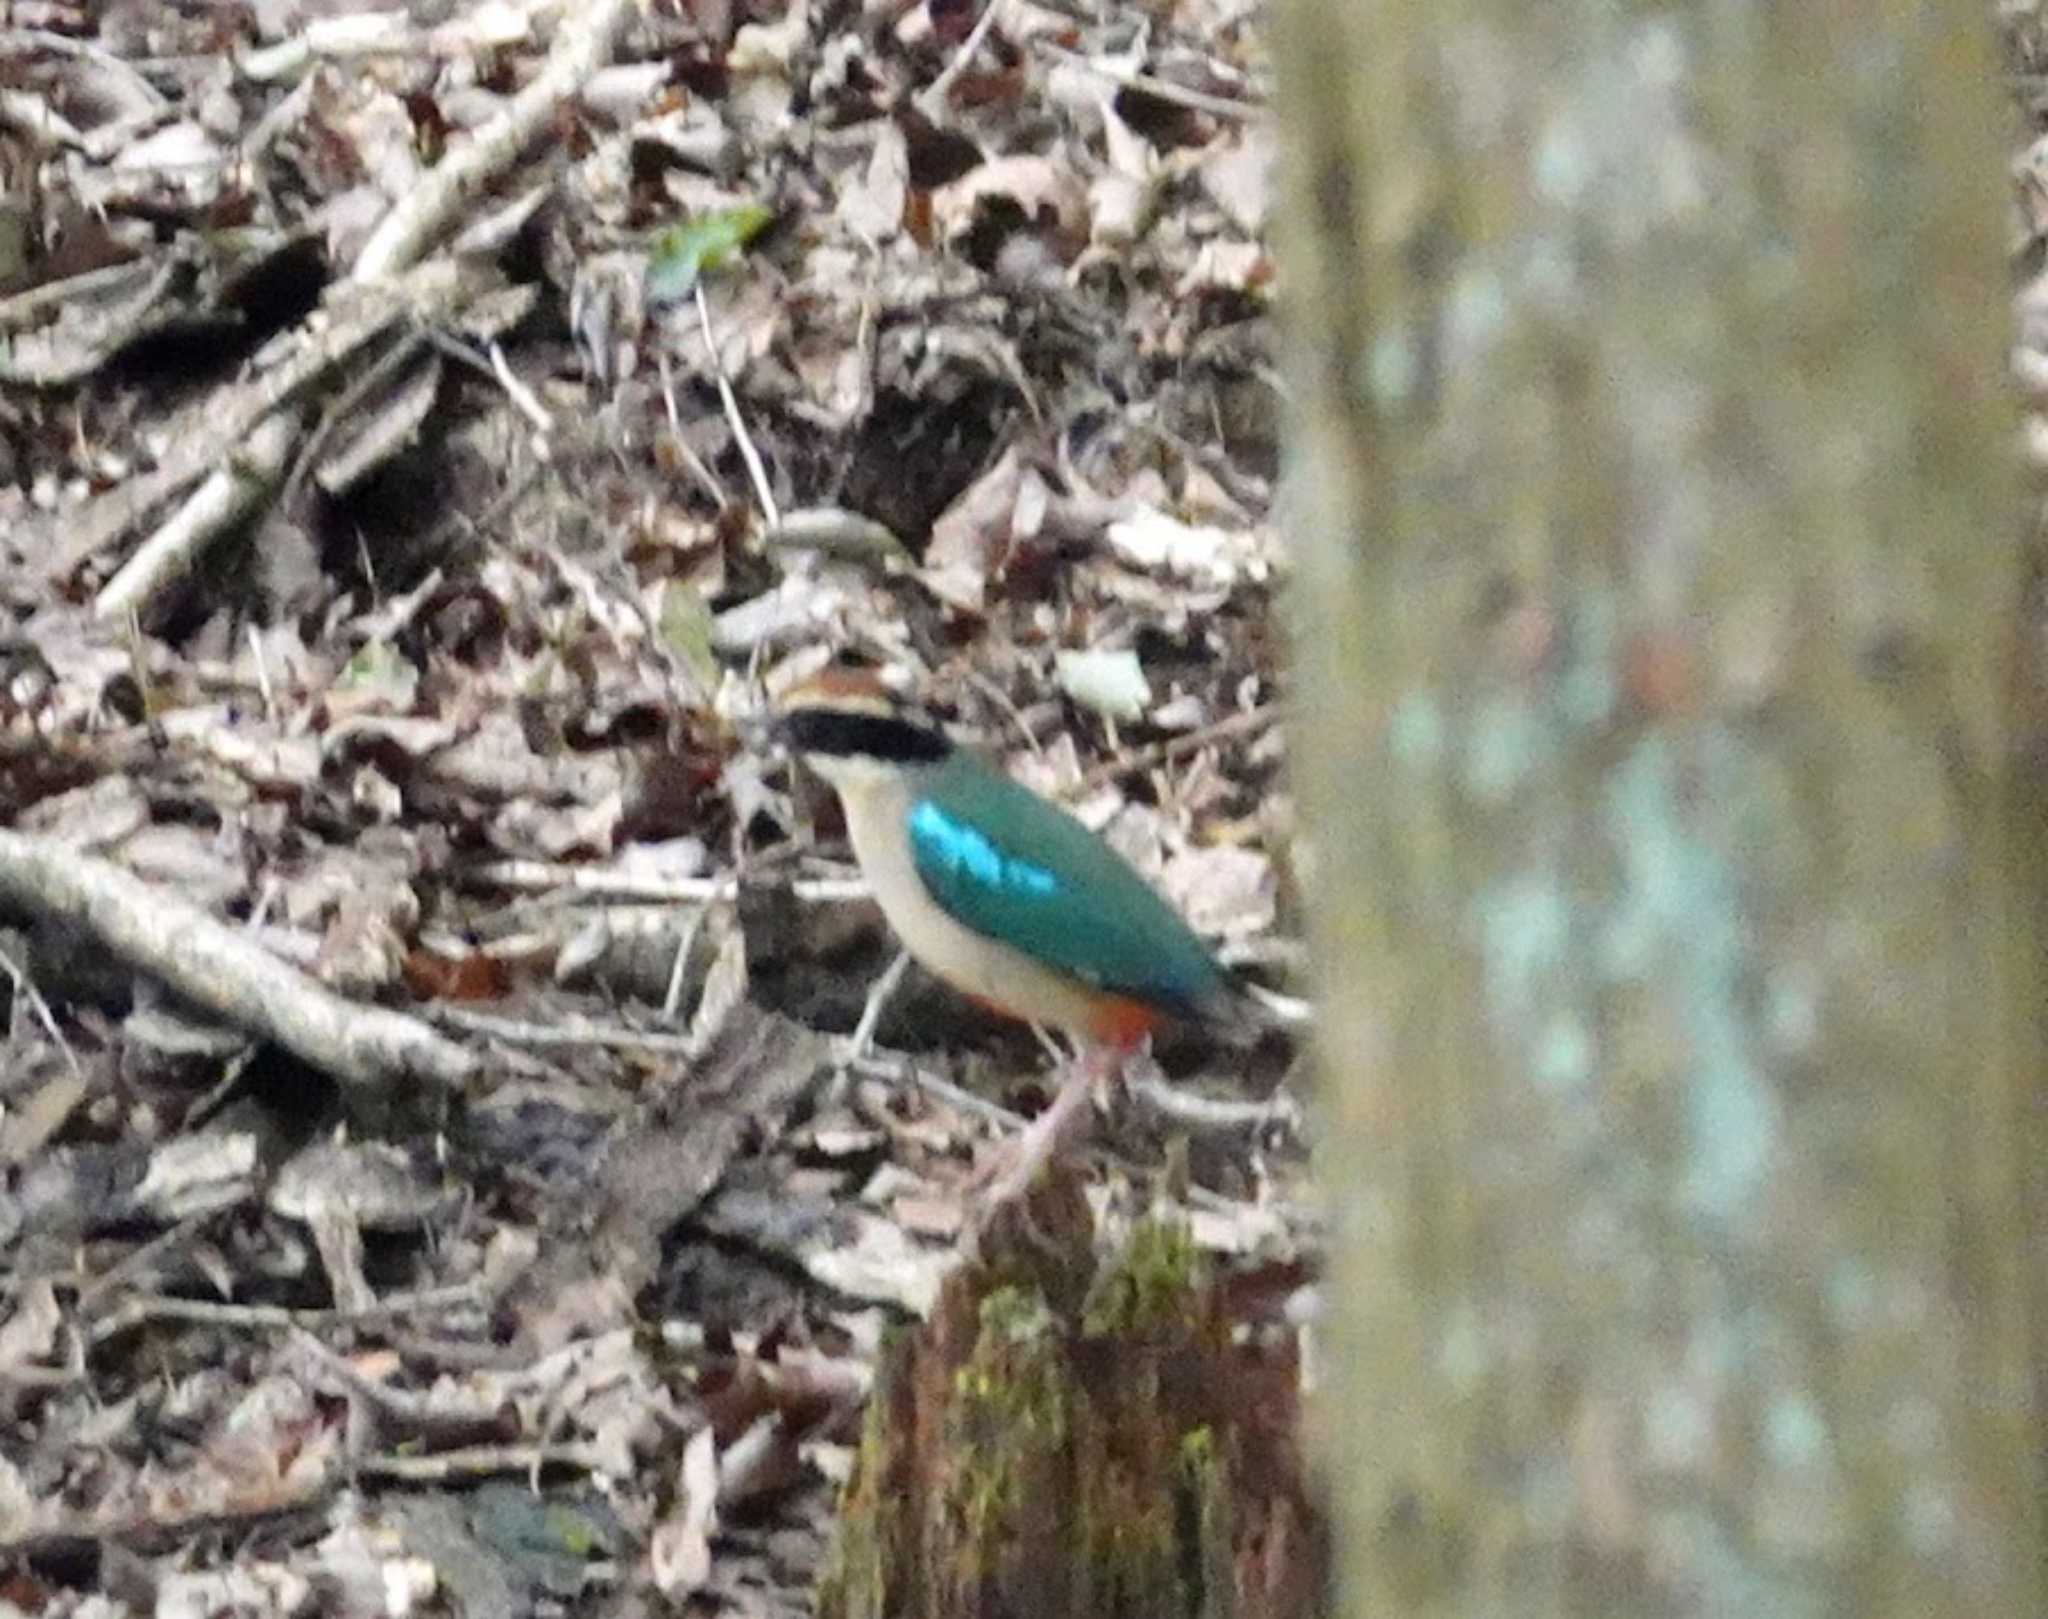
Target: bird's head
[[851, 728]]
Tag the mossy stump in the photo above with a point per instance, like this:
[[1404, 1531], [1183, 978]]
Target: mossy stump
[[1074, 1436]]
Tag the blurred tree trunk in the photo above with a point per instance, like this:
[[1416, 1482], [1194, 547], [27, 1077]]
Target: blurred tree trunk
[[1667, 700]]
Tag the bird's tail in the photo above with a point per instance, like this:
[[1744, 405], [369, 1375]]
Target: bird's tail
[[1245, 1011]]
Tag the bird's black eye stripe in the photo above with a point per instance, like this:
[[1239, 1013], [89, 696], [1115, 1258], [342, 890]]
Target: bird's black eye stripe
[[842, 733]]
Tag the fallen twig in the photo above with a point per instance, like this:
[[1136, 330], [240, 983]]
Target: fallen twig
[[863, 1035], [932, 99], [200, 439], [132, 94], [25, 986], [123, 1277], [751, 456], [691, 459], [32, 116], [223, 972], [1157, 88], [137, 1309], [1187, 1111], [546, 876], [248, 473], [582, 45], [381, 370], [479, 1461], [1247, 723], [572, 1032], [898, 1070]]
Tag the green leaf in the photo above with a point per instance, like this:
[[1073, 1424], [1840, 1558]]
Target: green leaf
[[378, 669], [684, 252], [686, 630]]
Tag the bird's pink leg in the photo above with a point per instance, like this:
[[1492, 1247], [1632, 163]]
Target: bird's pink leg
[[1056, 1131]]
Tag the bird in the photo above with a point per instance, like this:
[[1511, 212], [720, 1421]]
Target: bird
[[999, 892]]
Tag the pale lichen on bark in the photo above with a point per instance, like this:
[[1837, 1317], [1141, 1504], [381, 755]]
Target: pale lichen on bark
[[1654, 507]]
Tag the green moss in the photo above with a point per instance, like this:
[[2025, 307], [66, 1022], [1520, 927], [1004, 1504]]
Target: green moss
[[1129, 1558], [1157, 1281], [855, 1581], [1205, 1486], [1006, 1428], [1036, 1452]]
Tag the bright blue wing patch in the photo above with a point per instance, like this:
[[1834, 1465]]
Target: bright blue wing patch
[[1070, 901], [967, 854]]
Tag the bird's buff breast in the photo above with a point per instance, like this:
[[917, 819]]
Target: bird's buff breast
[[993, 973]]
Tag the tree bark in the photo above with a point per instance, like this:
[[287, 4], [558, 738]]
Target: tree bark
[[1668, 705]]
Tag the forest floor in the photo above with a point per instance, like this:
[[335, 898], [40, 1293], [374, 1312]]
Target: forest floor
[[440, 1173], [437, 1170]]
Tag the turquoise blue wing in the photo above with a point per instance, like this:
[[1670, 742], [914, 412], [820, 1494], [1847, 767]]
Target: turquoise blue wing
[[1004, 862]]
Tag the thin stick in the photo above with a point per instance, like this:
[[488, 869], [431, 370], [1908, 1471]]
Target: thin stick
[[1001, 699], [748, 454], [133, 1312], [863, 1035], [902, 1071], [492, 364], [121, 1275], [544, 876], [25, 986], [932, 101], [1206, 1113], [1248, 723], [679, 968], [684, 448], [604, 1036], [1160, 89], [517, 391], [372, 377], [477, 1461]]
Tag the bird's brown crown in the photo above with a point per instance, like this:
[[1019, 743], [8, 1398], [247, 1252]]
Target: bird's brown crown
[[843, 713]]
